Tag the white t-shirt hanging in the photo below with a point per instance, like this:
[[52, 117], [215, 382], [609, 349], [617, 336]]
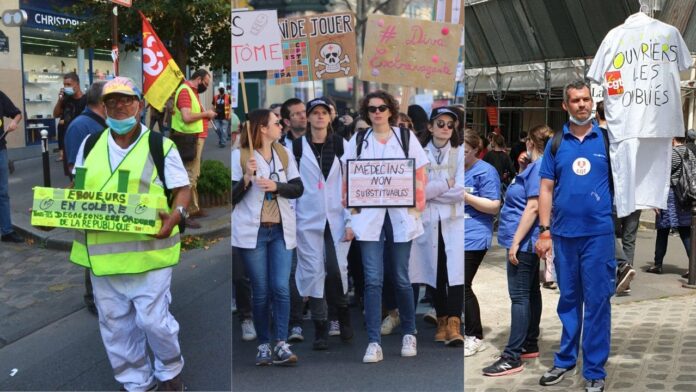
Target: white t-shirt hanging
[[638, 64]]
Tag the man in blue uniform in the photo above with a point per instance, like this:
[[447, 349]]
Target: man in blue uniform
[[575, 180]]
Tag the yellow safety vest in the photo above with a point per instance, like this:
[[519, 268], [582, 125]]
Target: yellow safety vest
[[178, 123], [112, 253]]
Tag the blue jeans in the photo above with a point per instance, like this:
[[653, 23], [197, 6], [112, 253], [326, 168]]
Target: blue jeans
[[525, 313], [221, 130], [268, 268], [5, 215], [586, 270], [375, 265]]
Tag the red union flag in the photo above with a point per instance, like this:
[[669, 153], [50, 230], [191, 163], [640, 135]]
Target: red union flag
[[161, 75]]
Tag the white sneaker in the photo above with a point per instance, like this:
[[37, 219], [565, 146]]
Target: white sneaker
[[472, 345], [408, 346], [334, 328], [430, 317], [373, 353], [248, 330], [389, 323]]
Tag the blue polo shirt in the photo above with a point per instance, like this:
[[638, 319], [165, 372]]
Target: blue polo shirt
[[482, 180], [581, 198], [524, 186], [82, 126]]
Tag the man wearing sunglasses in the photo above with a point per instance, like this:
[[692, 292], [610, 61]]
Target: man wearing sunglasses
[[131, 273]]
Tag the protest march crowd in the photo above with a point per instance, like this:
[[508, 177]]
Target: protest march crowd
[[330, 211]]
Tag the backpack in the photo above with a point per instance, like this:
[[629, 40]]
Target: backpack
[[244, 156], [556, 144], [685, 185], [404, 140], [297, 148], [156, 144]]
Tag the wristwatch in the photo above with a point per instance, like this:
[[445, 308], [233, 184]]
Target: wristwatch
[[544, 228], [182, 211]]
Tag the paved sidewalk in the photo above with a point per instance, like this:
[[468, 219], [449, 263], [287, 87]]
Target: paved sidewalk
[[29, 173], [653, 330]]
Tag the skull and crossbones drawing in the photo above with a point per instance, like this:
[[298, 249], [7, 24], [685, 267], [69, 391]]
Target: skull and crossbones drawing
[[331, 54]]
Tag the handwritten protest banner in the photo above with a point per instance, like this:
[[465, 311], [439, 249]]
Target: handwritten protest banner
[[411, 52], [317, 47], [256, 41], [91, 210], [381, 183]]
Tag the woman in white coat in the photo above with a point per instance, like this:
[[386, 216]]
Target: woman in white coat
[[437, 257], [387, 231], [323, 239], [263, 228]]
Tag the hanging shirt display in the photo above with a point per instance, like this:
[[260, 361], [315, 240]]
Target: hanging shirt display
[[638, 65]]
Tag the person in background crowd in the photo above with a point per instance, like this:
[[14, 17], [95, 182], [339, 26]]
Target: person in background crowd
[[235, 129], [517, 233], [374, 229], [324, 225], [405, 121], [481, 204], [485, 142], [437, 257], [242, 296], [7, 110], [71, 102], [419, 119], [221, 103], [191, 118], [156, 118], [275, 108], [90, 121], [499, 159], [294, 120], [626, 229], [677, 216], [517, 149], [266, 240]]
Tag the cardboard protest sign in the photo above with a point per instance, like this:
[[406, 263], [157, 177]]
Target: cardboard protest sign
[[317, 47], [381, 183], [256, 41], [411, 52], [92, 210]]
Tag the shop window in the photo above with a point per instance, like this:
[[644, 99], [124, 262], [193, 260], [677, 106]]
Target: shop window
[[46, 56]]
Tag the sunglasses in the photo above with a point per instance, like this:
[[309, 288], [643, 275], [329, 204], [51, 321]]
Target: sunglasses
[[441, 124], [275, 123], [374, 109]]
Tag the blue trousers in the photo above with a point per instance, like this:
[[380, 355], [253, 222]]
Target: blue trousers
[[586, 271], [268, 267]]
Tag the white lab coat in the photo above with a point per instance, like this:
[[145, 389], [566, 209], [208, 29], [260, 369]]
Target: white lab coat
[[367, 224], [446, 205], [321, 201], [246, 216]]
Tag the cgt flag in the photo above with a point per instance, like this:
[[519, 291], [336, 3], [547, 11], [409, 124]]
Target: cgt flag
[[161, 75]]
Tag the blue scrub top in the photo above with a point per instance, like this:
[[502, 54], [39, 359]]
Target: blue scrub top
[[581, 198], [524, 186], [482, 180]]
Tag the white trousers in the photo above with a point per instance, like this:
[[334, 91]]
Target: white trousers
[[641, 169], [134, 312]]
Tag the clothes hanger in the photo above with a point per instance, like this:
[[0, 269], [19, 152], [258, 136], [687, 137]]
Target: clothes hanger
[[644, 7]]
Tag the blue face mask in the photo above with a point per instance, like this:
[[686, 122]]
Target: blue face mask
[[121, 127], [68, 91]]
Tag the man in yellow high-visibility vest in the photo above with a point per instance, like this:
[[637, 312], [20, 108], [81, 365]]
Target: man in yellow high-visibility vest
[[131, 273], [191, 118]]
